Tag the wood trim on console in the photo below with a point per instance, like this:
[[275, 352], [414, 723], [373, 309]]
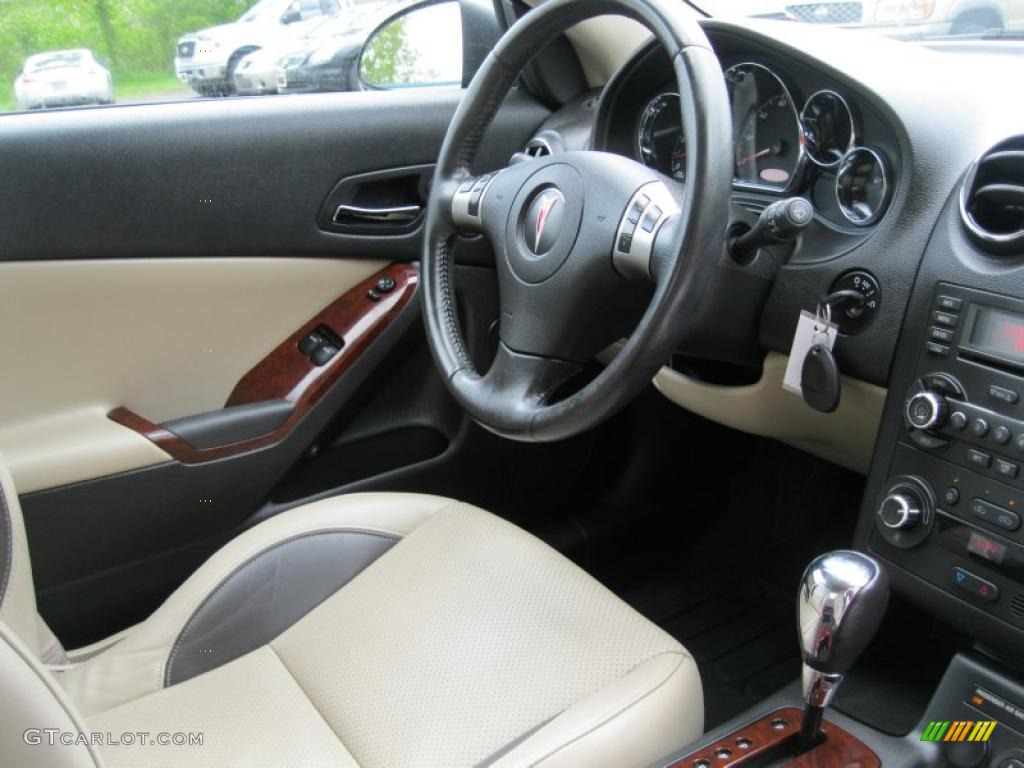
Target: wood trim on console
[[744, 746], [288, 374]]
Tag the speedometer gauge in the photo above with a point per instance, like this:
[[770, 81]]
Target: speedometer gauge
[[767, 137], [660, 136]]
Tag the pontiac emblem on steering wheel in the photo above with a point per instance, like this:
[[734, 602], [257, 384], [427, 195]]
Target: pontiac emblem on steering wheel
[[544, 221]]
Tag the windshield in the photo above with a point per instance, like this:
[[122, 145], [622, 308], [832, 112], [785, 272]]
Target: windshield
[[901, 19]]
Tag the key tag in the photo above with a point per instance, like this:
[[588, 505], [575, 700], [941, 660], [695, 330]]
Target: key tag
[[812, 371]]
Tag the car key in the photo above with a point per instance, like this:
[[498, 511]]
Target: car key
[[820, 381]]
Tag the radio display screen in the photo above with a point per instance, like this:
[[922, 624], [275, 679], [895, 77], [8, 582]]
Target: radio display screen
[[998, 333]]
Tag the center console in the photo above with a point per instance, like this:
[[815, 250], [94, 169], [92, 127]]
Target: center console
[[951, 509]]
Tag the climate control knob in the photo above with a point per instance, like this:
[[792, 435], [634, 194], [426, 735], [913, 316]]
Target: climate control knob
[[899, 511], [927, 410]]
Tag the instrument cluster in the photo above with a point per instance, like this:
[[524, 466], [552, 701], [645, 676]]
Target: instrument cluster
[[780, 145]]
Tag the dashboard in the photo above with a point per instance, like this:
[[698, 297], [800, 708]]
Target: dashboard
[[882, 139]]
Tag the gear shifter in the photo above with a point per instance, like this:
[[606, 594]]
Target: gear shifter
[[842, 598]]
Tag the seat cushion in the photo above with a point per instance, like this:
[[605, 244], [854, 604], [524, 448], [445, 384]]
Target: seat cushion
[[468, 642]]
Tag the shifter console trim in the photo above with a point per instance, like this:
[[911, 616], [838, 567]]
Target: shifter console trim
[[772, 739]]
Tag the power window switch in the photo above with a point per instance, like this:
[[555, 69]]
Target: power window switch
[[322, 355], [312, 342]]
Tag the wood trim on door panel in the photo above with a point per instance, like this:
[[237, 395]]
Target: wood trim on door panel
[[288, 374]]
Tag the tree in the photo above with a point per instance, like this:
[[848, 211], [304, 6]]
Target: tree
[[387, 59]]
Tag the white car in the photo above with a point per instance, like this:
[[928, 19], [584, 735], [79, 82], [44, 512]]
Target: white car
[[208, 59], [63, 78], [259, 72]]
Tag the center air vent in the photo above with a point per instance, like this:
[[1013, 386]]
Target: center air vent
[[992, 198]]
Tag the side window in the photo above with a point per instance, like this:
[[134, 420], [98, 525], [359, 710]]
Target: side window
[[100, 52]]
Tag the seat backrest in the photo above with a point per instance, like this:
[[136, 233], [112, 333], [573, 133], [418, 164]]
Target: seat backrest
[[32, 706], [17, 593]]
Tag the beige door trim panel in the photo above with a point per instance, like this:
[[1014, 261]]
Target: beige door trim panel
[[845, 437], [165, 337]]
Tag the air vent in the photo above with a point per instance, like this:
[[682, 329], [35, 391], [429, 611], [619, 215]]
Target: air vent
[[1017, 606], [537, 148], [992, 198]]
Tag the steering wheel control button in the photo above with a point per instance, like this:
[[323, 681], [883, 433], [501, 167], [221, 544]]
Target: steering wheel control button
[[1003, 395], [958, 421], [467, 201], [634, 238], [979, 458], [990, 513], [975, 585]]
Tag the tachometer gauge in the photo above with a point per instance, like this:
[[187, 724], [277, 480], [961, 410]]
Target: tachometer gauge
[[828, 128], [660, 139], [767, 137]]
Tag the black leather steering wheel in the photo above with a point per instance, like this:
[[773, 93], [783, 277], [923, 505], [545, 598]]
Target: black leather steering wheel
[[569, 229]]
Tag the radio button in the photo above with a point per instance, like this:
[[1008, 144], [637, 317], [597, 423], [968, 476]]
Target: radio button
[[990, 513], [951, 496], [943, 383], [937, 349], [979, 458], [1019, 443], [1003, 394], [979, 428], [945, 319], [958, 421], [941, 334], [1001, 435], [975, 585], [950, 303], [1007, 468]]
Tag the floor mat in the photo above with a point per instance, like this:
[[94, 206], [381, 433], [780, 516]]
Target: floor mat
[[743, 637]]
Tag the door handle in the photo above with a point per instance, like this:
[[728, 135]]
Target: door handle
[[399, 214]]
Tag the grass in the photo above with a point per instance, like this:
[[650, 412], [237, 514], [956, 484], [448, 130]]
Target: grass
[[128, 86]]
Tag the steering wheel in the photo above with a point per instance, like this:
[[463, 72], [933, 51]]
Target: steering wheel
[[569, 229]]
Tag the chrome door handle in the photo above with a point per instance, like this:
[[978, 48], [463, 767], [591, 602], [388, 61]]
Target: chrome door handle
[[399, 214]]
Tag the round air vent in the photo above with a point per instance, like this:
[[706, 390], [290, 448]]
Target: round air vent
[[992, 198]]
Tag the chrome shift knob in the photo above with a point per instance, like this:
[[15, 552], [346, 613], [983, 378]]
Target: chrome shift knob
[[842, 598]]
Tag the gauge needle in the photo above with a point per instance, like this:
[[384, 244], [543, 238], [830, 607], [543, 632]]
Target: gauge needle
[[748, 158]]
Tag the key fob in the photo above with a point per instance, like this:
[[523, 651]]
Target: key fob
[[820, 380]]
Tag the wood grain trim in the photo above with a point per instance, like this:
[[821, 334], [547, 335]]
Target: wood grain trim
[[288, 374], [748, 745]]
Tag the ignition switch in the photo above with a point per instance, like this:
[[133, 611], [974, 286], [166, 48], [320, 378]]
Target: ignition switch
[[854, 316]]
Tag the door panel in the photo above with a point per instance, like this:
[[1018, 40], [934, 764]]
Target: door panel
[[166, 338], [103, 183], [163, 261]]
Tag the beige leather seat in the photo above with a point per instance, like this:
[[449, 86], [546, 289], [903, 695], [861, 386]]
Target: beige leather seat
[[374, 630]]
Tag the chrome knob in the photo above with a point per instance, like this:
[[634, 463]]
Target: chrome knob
[[899, 511], [927, 410], [842, 598]]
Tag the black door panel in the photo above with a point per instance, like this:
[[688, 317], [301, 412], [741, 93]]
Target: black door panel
[[135, 180]]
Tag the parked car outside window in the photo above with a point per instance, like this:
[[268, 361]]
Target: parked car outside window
[[62, 78]]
